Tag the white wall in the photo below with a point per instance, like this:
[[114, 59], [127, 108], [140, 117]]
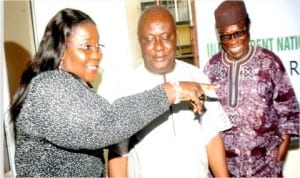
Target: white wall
[[18, 47], [270, 21], [2, 108]]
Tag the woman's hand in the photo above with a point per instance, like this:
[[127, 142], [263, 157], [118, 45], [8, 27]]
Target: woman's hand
[[187, 91], [192, 91]]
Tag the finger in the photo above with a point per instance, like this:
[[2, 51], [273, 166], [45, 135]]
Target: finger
[[194, 107], [197, 104], [185, 98], [206, 86]]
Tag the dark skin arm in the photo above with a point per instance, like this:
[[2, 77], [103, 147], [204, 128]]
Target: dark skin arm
[[216, 157], [117, 167], [283, 148]]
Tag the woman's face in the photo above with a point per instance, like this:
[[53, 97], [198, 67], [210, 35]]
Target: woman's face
[[83, 52], [235, 40]]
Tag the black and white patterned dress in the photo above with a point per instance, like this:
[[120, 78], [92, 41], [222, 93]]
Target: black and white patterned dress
[[63, 125]]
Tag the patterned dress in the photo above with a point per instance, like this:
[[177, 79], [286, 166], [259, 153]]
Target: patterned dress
[[258, 97], [63, 125]]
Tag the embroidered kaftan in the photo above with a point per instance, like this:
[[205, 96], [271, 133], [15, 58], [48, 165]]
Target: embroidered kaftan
[[258, 97]]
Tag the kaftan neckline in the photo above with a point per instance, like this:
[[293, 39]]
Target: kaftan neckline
[[234, 74]]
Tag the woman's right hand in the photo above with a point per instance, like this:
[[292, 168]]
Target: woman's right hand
[[188, 91]]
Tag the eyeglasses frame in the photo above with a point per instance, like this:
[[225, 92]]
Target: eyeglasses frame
[[86, 47], [235, 35]]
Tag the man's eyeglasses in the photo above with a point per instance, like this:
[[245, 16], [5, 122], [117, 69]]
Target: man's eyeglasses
[[238, 34], [86, 47]]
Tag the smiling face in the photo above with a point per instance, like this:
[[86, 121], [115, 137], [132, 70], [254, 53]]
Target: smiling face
[[83, 54], [157, 38], [235, 40]]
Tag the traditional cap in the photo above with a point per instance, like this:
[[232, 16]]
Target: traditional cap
[[230, 12]]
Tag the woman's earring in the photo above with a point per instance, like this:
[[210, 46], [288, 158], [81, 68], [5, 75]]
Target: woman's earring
[[60, 64]]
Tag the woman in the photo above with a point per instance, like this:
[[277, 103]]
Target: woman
[[61, 123]]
